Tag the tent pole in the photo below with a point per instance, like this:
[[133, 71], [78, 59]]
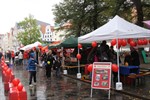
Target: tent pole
[[78, 63], [118, 61]]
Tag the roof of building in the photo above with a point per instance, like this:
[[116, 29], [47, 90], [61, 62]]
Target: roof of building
[[42, 23]]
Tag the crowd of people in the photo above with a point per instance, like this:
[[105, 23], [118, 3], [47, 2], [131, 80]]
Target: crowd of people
[[30, 60], [104, 53], [53, 59]]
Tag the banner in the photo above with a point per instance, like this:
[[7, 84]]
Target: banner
[[101, 75]]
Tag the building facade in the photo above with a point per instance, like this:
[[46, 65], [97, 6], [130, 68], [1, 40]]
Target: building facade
[[48, 34]]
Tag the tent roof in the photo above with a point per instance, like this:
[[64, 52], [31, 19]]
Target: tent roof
[[30, 46], [70, 42], [115, 28]]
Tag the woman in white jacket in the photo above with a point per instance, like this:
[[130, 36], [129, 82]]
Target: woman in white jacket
[[20, 57]]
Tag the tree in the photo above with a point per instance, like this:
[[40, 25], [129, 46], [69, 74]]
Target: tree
[[29, 31], [84, 15], [87, 15], [141, 6]]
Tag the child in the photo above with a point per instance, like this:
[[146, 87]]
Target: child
[[32, 69]]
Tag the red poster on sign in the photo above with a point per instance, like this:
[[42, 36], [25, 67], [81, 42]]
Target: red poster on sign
[[101, 75]]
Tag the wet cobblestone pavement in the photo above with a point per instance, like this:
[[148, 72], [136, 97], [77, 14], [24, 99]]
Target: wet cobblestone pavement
[[64, 88]]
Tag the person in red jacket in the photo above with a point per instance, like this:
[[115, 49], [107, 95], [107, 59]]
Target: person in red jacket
[[25, 57], [13, 56]]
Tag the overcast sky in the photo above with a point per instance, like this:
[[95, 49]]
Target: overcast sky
[[12, 11]]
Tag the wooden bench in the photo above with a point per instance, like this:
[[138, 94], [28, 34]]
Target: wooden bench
[[73, 66], [140, 78], [74, 69]]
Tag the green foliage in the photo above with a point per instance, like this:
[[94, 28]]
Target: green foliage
[[87, 15], [79, 13], [29, 31]]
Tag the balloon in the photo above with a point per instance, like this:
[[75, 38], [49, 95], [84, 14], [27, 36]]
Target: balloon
[[142, 42], [79, 45], [15, 82], [20, 87], [113, 42], [145, 41], [114, 68], [124, 42], [139, 42], [90, 67], [78, 56], [94, 44], [132, 43], [119, 42], [129, 40], [48, 62]]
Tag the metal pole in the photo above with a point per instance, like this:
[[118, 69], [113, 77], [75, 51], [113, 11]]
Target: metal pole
[[118, 61], [78, 63]]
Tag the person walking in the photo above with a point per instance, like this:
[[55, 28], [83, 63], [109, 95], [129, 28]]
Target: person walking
[[49, 63], [25, 58], [57, 66], [20, 57], [13, 57], [32, 69]]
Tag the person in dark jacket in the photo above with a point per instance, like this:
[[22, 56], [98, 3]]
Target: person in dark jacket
[[49, 63], [32, 69], [57, 66], [134, 57], [128, 59]]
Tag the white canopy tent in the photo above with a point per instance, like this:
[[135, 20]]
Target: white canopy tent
[[115, 28], [30, 46]]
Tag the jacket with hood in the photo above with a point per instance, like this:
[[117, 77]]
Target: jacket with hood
[[32, 63]]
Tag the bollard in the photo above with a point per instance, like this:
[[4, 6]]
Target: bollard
[[6, 87], [7, 80], [3, 73], [22, 94], [13, 94], [12, 76]]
